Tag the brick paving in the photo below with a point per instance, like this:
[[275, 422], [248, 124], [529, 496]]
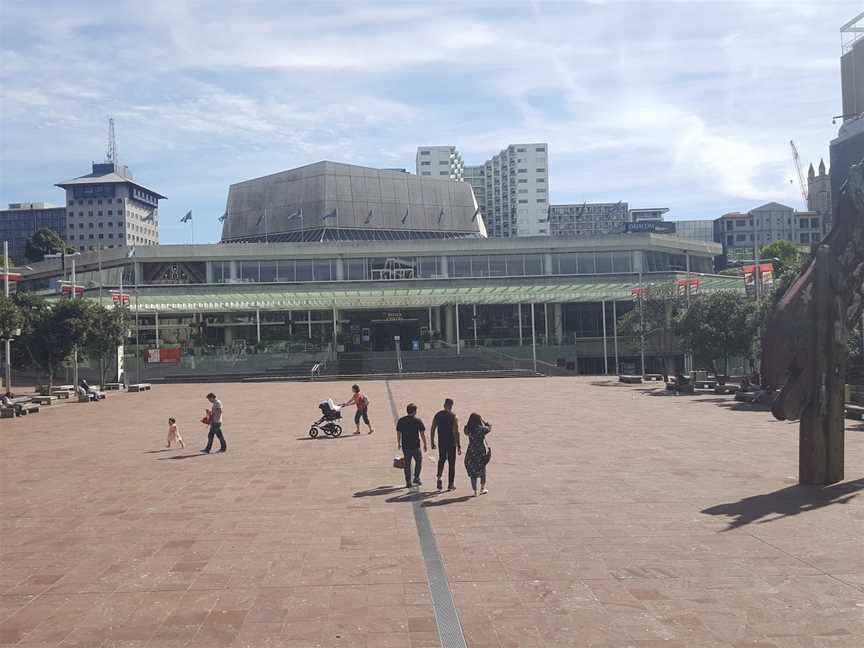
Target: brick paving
[[615, 518]]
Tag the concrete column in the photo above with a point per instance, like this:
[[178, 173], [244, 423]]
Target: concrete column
[[156, 320], [443, 269], [638, 261], [436, 319], [605, 349], [139, 274], [232, 270], [615, 333], [309, 322], [546, 323], [519, 319], [258, 324], [450, 328], [547, 264], [208, 265], [458, 340], [558, 323], [340, 268], [229, 336], [474, 320]]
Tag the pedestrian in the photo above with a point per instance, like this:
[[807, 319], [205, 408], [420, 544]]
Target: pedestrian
[[174, 433], [361, 402], [477, 455], [215, 424], [449, 443], [409, 431]]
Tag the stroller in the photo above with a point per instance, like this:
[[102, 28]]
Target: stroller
[[326, 424]]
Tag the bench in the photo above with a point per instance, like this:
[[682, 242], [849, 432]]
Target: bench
[[62, 393], [44, 400], [139, 387], [7, 412], [705, 384], [855, 412], [115, 386], [21, 409], [727, 388], [653, 377], [630, 380]]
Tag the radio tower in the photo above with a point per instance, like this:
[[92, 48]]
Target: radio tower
[[111, 155]]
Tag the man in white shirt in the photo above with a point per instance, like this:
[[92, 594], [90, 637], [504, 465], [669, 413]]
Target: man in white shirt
[[215, 424]]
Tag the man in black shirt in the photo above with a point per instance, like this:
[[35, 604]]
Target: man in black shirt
[[447, 425], [409, 431]]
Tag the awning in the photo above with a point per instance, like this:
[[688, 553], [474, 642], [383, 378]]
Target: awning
[[231, 297]]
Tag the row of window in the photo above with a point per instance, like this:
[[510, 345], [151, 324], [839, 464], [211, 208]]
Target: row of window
[[98, 201], [741, 222]]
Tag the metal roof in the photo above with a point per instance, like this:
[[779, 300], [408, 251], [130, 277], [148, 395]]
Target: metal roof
[[106, 178], [276, 297]]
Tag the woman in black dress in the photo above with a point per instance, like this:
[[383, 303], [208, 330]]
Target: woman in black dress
[[476, 457]]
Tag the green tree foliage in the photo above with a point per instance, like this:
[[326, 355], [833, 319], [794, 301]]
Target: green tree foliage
[[11, 317], [718, 326], [787, 259], [45, 241], [105, 332], [654, 317]]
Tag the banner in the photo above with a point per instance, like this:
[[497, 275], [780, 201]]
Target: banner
[[655, 227], [684, 287], [766, 274]]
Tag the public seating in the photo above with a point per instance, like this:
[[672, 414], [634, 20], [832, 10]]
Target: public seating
[[20, 406], [854, 406], [139, 387], [653, 377], [632, 380], [44, 400], [112, 386]]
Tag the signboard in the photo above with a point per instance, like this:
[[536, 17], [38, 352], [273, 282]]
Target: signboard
[[766, 274], [687, 287], [655, 227], [66, 290], [119, 298]]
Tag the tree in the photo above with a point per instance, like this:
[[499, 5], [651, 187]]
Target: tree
[[105, 332], [717, 327], [56, 331], [11, 317], [786, 257], [45, 241], [654, 317]]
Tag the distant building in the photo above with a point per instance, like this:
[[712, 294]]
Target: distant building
[[819, 195], [741, 234], [23, 220], [512, 187], [588, 219], [647, 214], [695, 230], [852, 67], [108, 208]]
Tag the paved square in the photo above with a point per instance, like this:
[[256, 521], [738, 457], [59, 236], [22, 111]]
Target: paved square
[[615, 518]]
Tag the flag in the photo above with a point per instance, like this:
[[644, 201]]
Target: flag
[[187, 217], [131, 252], [440, 214], [405, 217], [368, 218], [296, 214], [223, 217], [330, 214], [476, 214], [260, 218]]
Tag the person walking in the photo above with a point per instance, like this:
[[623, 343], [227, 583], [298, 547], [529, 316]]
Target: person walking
[[447, 426], [477, 456], [409, 431], [361, 402], [215, 424]]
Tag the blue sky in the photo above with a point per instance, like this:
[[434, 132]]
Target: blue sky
[[689, 105]]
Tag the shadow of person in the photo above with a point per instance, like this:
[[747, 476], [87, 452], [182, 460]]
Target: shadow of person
[[785, 502], [380, 490], [449, 500], [411, 496], [186, 456], [159, 451]]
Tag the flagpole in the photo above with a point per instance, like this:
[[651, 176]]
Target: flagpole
[[266, 228], [192, 224], [99, 260]]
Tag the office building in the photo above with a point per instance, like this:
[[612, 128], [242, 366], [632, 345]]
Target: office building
[[647, 214], [439, 162], [23, 220], [819, 195], [741, 234], [588, 219], [512, 186], [695, 230], [852, 67], [108, 208]]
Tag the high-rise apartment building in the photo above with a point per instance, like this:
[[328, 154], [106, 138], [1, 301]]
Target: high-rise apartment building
[[439, 162], [512, 188], [23, 220], [108, 208]]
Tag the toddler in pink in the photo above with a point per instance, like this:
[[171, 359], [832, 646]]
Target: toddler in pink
[[174, 433]]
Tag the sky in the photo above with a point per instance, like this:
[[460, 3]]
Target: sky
[[686, 105]]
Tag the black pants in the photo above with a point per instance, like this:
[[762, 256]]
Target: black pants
[[215, 430], [447, 454], [417, 456]]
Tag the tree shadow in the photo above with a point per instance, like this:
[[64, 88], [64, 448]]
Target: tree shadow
[[785, 502], [186, 456], [449, 500], [379, 490]]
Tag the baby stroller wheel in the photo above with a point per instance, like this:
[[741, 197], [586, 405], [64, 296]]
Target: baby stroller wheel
[[313, 431], [337, 430]]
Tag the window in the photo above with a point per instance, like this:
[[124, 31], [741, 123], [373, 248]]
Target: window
[[110, 212], [101, 236], [523, 170], [805, 238], [523, 180], [426, 173], [99, 202], [91, 236], [540, 149], [444, 173], [541, 200], [521, 150], [523, 202], [80, 202], [739, 222], [424, 152], [541, 169], [101, 225], [533, 264], [89, 202], [425, 163], [90, 213], [110, 235], [119, 200], [444, 162], [521, 191], [90, 225], [541, 180], [541, 190], [740, 237], [730, 240]]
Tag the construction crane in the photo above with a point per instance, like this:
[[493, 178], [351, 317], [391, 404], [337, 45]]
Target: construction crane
[[801, 181]]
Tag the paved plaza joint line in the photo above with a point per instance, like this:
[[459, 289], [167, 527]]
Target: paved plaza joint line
[[617, 517]]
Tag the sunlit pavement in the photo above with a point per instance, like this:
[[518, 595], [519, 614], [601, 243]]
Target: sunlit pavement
[[615, 518]]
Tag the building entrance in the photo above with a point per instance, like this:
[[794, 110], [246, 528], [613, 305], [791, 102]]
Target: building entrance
[[384, 333]]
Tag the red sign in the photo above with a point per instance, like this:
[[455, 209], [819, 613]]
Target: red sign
[[766, 275], [162, 355], [687, 286], [67, 290], [13, 276], [118, 297], [639, 293]]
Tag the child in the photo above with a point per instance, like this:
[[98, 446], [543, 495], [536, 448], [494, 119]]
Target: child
[[174, 433]]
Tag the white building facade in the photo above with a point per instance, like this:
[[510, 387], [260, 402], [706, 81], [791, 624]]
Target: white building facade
[[439, 162], [742, 234]]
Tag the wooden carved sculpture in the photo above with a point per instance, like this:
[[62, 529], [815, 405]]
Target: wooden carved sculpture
[[804, 346]]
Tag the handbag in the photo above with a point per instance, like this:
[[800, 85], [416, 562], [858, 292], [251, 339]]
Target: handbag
[[488, 456], [208, 417], [399, 462]]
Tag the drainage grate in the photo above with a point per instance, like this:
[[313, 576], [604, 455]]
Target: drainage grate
[[446, 617]]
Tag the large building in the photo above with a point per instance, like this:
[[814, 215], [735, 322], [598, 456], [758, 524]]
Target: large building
[[512, 187], [108, 208], [588, 219], [333, 201], [741, 234], [852, 67], [23, 220]]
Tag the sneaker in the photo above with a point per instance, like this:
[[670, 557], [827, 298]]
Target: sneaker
[[476, 493], [417, 482], [222, 450], [407, 485], [205, 451], [484, 491], [451, 487], [440, 485]]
